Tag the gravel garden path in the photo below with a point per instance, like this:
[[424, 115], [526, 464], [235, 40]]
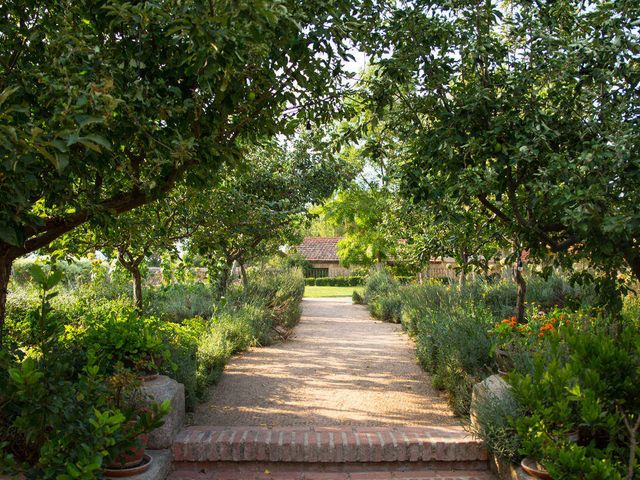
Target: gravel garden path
[[340, 367]]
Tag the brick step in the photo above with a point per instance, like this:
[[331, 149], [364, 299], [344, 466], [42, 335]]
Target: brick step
[[280, 471], [442, 447]]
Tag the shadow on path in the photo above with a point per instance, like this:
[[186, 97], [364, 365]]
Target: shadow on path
[[340, 368]]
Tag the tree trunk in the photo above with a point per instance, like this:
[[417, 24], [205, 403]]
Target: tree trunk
[[521, 295], [223, 279], [243, 272], [5, 275], [633, 260], [462, 279], [133, 267], [137, 287]]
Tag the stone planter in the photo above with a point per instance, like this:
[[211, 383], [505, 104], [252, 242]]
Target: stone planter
[[159, 389]]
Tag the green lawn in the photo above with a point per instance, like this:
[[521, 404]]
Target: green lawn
[[317, 292]]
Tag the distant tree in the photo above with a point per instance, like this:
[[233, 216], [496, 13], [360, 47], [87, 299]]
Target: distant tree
[[255, 211], [153, 229]]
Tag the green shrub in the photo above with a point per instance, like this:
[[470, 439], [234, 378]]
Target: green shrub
[[189, 336], [379, 283], [247, 317], [454, 345], [416, 298], [177, 302], [494, 415], [499, 297], [356, 298], [585, 381], [352, 281], [59, 415], [123, 339], [386, 307], [631, 309], [74, 273], [310, 281]]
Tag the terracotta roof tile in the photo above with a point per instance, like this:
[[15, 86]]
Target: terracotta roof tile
[[319, 249]]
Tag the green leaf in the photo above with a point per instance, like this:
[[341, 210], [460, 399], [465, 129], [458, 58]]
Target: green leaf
[[38, 274], [97, 139], [84, 120], [9, 235]]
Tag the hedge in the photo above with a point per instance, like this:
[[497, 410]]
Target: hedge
[[353, 281]]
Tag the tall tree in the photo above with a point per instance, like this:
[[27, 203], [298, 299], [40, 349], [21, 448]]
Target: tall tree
[[105, 104], [528, 109]]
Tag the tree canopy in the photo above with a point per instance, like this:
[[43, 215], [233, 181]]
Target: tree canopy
[[527, 111], [105, 105]]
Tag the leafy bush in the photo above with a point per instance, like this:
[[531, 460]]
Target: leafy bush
[[59, 419], [494, 415], [356, 298], [379, 283], [454, 345], [177, 302], [386, 307], [74, 273], [415, 298], [631, 309], [122, 339], [247, 317], [587, 382]]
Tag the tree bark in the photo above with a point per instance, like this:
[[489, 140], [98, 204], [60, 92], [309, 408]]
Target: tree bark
[[243, 272], [462, 279], [223, 279], [5, 274], [137, 287], [133, 267], [633, 260], [520, 295]]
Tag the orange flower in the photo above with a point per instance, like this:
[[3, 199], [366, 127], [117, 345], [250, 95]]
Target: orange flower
[[547, 326]]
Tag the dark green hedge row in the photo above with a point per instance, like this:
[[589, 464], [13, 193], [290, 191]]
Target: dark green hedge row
[[353, 281], [335, 281]]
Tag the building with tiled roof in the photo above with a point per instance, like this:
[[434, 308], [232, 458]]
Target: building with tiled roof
[[322, 253]]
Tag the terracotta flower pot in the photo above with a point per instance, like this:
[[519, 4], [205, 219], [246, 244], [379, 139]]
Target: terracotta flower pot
[[133, 457], [533, 468], [142, 467]]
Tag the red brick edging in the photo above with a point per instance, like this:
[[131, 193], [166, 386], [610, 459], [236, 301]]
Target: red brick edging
[[327, 445]]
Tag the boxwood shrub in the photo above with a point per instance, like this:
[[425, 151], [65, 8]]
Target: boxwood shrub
[[352, 281]]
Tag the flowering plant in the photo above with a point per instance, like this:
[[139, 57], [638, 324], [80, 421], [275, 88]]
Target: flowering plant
[[539, 325]]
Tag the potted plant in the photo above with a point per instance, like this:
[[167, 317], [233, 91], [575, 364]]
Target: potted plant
[[535, 468], [127, 457]]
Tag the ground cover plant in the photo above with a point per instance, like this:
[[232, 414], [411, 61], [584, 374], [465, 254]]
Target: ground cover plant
[[72, 348], [565, 406]]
